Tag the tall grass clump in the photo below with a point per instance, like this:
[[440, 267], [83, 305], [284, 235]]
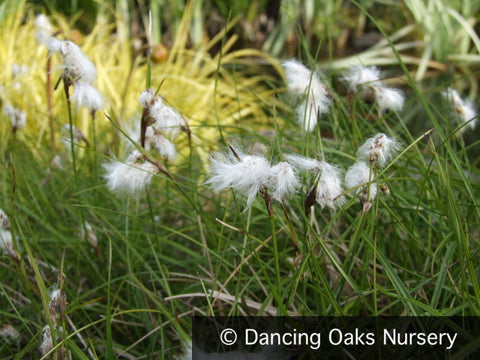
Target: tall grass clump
[[80, 263], [207, 183]]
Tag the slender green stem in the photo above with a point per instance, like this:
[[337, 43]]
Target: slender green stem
[[70, 123], [275, 253], [50, 104], [108, 320], [94, 141]]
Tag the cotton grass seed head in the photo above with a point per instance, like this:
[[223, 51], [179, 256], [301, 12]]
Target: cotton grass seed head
[[47, 341], [308, 114], [361, 174], [44, 28], [378, 149], [77, 66], [329, 187], [131, 176], [304, 163], [247, 174], [464, 108], [163, 146], [304, 83], [366, 81], [87, 95], [389, 98], [163, 118], [88, 233], [283, 181], [17, 117], [6, 243], [9, 334], [4, 221], [147, 97], [328, 181], [359, 76]]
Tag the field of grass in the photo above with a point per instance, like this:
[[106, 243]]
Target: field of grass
[[113, 275]]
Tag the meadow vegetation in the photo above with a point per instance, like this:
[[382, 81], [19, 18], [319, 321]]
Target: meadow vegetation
[[91, 272]]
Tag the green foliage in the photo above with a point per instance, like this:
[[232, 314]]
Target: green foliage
[[148, 263]]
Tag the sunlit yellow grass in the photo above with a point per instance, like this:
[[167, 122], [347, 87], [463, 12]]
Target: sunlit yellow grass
[[208, 90]]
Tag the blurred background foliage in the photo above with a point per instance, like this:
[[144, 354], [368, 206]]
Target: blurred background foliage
[[434, 36]]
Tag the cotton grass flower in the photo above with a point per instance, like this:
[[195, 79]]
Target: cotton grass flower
[[305, 84], [464, 108], [327, 187], [47, 341], [78, 71], [88, 233], [17, 117], [88, 96], [163, 117], [131, 176], [361, 78], [160, 124], [283, 181], [361, 174], [389, 99], [9, 334], [77, 66], [44, 29], [4, 221], [378, 149], [247, 174], [373, 154], [250, 175], [164, 147], [367, 83], [6, 242]]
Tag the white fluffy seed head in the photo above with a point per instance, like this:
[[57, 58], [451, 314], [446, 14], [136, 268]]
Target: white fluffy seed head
[[378, 149], [358, 76], [283, 181], [6, 242], [131, 176], [77, 67], [304, 163], [146, 97], [55, 295], [247, 174], [44, 28], [4, 221], [464, 108], [163, 146], [389, 98], [300, 80], [329, 186], [88, 233], [87, 95], [304, 83], [165, 118], [359, 174], [9, 334], [308, 113], [17, 117], [47, 342]]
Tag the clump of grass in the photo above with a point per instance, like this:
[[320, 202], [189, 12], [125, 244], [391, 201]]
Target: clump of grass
[[122, 275]]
